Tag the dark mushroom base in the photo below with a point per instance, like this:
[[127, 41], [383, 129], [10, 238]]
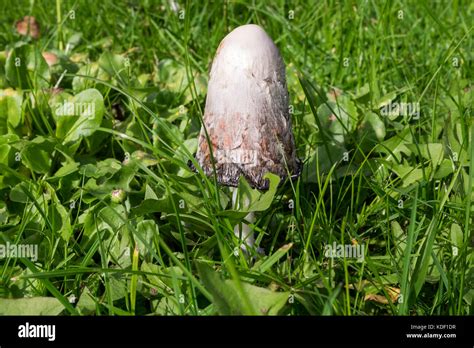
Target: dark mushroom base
[[228, 174]]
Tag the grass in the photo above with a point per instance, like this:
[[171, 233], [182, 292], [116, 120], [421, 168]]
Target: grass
[[124, 227]]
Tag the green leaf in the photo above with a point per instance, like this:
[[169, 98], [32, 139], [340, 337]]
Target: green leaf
[[225, 297], [67, 169], [250, 199], [264, 265], [266, 301], [409, 175], [423, 262], [430, 151], [396, 146], [152, 206], [174, 86], [399, 239], [339, 117], [172, 75], [445, 168], [229, 300], [3, 58], [17, 193], [363, 94], [106, 168], [31, 306], [146, 231], [161, 277], [456, 235], [386, 100], [118, 287], [321, 162], [122, 179], [78, 116], [86, 304], [114, 65], [10, 109], [4, 154], [26, 68], [144, 158], [60, 221], [372, 128], [37, 154], [91, 70], [7, 153]]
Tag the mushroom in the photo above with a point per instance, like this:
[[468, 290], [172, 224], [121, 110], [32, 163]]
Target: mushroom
[[50, 58], [28, 26], [247, 117]]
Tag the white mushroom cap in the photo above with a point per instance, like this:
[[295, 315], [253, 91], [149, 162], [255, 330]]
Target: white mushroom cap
[[246, 113]]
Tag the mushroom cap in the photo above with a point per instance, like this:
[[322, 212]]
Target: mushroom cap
[[247, 113], [28, 26]]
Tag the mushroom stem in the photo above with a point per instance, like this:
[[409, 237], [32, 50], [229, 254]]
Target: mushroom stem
[[245, 233], [242, 230]]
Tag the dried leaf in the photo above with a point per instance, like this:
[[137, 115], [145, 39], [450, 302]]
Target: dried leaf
[[393, 293]]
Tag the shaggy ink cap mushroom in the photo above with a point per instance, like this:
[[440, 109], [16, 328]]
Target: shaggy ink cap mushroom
[[247, 112]]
